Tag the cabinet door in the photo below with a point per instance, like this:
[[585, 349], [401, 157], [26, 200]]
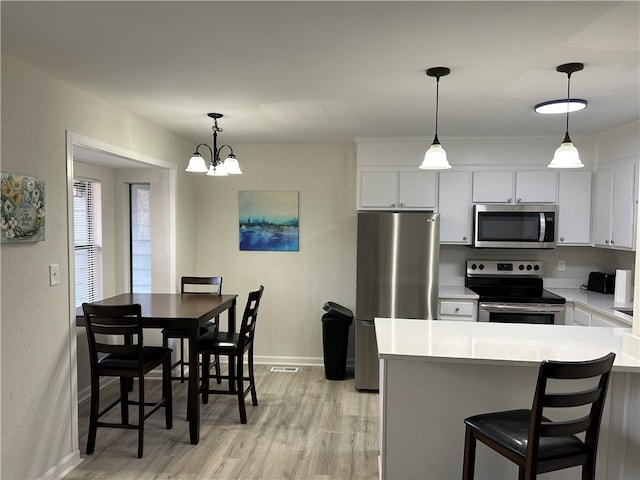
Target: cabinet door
[[492, 187], [454, 192], [580, 317], [602, 207], [378, 189], [418, 189], [623, 206], [536, 187], [574, 208]]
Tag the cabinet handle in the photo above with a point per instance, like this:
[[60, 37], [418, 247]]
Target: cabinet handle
[[562, 239], [607, 242], [392, 205], [518, 200], [509, 200], [457, 309], [464, 239], [402, 204], [611, 241]]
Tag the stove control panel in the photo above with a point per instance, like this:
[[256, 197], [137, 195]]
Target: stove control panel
[[504, 267]]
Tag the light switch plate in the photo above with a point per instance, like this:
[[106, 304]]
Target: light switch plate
[[54, 274], [561, 265]]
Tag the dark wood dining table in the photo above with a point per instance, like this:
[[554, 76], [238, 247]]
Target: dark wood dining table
[[183, 311]]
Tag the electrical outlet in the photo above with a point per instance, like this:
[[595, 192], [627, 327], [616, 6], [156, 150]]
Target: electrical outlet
[[561, 265], [54, 275]]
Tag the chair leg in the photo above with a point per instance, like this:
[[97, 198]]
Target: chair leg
[[167, 393], [140, 416], [124, 399], [469, 454], [93, 415], [217, 367], [206, 358], [252, 380], [181, 360], [240, 389], [589, 469]]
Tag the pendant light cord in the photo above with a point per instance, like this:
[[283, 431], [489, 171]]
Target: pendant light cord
[[568, 103], [437, 107]]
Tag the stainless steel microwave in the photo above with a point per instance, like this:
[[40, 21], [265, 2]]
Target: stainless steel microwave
[[515, 226]]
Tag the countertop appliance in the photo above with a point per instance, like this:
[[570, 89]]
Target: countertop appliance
[[514, 226], [511, 292], [601, 282], [397, 277]]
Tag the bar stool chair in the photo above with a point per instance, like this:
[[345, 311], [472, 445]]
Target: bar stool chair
[[233, 345], [534, 442], [200, 286], [125, 357]]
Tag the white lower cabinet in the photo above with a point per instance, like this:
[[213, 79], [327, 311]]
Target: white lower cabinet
[[458, 310], [586, 318]]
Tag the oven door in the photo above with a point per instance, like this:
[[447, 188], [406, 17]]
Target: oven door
[[547, 314]]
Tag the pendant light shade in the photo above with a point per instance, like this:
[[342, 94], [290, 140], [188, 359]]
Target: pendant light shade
[[436, 157], [232, 166], [567, 155], [196, 164]]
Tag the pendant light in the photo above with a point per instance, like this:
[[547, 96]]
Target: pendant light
[[566, 155], [436, 157], [216, 167]]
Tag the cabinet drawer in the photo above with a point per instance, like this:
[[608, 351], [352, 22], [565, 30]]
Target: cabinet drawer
[[456, 308]]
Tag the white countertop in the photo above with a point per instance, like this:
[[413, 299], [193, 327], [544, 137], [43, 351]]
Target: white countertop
[[600, 302], [460, 292], [498, 343]]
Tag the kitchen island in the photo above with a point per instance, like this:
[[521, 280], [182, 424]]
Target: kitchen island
[[433, 374]]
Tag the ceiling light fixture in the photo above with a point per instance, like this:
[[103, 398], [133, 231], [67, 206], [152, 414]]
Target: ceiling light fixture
[[560, 106], [567, 155], [216, 167], [436, 157]]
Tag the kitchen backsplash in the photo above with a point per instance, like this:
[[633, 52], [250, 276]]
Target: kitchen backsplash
[[578, 262]]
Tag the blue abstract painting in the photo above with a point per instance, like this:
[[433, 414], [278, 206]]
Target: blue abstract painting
[[268, 220]]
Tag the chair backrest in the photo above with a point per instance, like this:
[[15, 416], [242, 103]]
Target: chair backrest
[[197, 282], [582, 400], [250, 317], [122, 324]]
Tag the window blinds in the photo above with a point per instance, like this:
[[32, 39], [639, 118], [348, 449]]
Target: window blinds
[[87, 223]]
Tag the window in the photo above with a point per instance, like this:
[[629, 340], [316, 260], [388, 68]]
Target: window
[[140, 239], [87, 226]]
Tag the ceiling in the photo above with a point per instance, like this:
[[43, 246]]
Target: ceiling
[[329, 72]]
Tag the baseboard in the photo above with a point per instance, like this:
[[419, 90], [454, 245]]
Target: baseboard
[[60, 470]]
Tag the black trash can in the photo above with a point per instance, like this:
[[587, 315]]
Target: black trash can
[[335, 339]]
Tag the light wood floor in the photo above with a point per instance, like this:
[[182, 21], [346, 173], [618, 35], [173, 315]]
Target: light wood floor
[[305, 427]]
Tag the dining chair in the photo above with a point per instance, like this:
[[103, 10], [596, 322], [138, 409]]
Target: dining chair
[[193, 285], [536, 443], [234, 345], [124, 356]]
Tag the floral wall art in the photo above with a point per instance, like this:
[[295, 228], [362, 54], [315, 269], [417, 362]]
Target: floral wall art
[[22, 208], [268, 220]]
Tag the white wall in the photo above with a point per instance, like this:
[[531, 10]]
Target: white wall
[[38, 342], [296, 283]]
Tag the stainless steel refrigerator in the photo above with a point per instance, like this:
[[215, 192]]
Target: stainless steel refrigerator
[[397, 277]]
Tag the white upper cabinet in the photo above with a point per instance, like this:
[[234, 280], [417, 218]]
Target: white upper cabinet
[[574, 208], [492, 186], [615, 205], [397, 189], [454, 206], [514, 187], [536, 186]]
